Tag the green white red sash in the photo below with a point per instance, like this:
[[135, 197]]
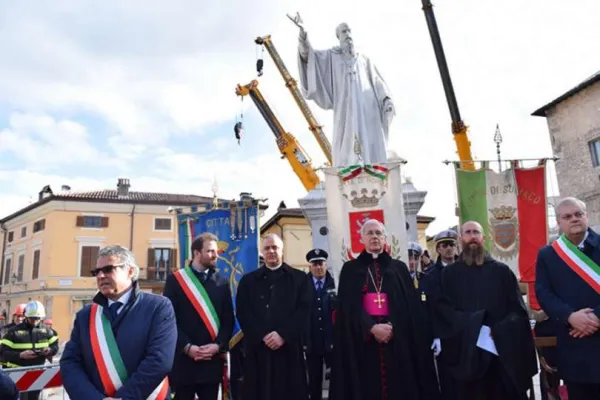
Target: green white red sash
[[583, 266], [113, 373], [195, 292]]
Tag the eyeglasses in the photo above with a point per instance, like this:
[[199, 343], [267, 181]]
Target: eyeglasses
[[107, 269], [447, 244]]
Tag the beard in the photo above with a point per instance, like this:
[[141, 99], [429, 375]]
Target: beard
[[473, 255]]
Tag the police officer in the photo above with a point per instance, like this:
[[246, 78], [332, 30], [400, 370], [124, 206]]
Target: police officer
[[319, 341], [414, 262], [29, 343]]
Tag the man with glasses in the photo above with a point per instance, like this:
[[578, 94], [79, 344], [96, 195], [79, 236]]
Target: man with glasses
[[121, 346], [568, 289], [380, 347], [484, 325], [319, 339]]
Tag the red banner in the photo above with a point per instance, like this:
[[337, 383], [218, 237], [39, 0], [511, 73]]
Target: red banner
[[533, 221], [357, 219]]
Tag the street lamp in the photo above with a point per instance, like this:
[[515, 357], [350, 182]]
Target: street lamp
[[498, 141]]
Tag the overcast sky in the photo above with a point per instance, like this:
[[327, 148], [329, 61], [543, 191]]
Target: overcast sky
[[94, 91]]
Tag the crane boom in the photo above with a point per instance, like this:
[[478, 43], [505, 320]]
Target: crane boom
[[459, 129], [288, 145], [291, 84]]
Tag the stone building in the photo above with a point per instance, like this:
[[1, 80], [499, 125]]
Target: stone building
[[574, 126]]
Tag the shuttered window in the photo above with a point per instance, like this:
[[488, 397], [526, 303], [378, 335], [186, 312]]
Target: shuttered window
[[91, 221], [36, 265], [161, 262], [89, 255]]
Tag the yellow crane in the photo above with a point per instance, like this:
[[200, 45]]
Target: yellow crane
[[288, 145], [459, 129], [291, 84]]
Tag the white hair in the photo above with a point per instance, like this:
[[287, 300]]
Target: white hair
[[274, 237], [124, 255], [569, 201], [372, 221]]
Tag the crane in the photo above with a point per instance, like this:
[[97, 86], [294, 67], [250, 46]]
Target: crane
[[291, 84], [459, 129], [288, 145]]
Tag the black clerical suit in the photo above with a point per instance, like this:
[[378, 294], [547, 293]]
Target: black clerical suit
[[364, 369], [201, 377], [274, 300], [473, 296], [319, 338]]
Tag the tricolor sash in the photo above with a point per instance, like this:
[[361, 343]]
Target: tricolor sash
[[108, 357], [196, 294], [581, 264]]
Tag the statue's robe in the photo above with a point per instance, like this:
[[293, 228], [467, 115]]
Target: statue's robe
[[356, 92]]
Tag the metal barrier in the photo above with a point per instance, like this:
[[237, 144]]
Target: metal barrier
[[38, 377]]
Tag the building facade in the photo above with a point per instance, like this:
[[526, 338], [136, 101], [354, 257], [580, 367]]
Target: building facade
[[49, 247], [574, 126]]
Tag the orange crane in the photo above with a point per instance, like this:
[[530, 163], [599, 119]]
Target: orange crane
[[459, 129], [291, 84], [288, 145]]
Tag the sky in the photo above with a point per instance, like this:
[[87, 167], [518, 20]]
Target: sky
[[145, 90]]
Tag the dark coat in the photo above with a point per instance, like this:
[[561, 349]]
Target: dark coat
[[560, 292], [319, 338], [145, 332], [277, 301], [8, 389], [192, 330]]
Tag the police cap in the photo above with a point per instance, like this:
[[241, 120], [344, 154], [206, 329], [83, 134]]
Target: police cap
[[446, 236], [415, 248], [316, 255]]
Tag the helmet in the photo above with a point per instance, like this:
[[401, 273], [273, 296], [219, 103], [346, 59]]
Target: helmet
[[20, 309], [35, 309]]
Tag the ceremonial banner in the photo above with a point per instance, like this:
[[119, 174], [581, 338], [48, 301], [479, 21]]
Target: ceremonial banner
[[512, 208], [356, 194], [236, 226]]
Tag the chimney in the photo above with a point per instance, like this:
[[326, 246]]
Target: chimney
[[45, 192], [123, 187], [65, 188], [281, 206]]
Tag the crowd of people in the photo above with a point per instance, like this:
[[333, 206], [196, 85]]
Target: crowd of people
[[456, 329]]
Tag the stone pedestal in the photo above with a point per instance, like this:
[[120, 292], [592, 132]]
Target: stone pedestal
[[314, 207], [413, 201]]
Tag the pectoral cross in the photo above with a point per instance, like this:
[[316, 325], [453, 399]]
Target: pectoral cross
[[379, 300]]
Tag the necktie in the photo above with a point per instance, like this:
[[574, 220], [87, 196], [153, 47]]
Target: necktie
[[113, 308], [319, 285], [204, 276]]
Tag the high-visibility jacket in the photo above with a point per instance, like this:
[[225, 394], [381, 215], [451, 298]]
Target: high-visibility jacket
[[26, 337]]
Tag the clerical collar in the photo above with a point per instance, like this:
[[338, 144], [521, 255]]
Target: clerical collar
[[375, 255], [273, 268]]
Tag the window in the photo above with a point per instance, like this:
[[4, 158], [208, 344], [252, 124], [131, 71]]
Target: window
[[7, 271], [162, 224], [20, 268], [36, 265], [89, 254], [595, 152], [39, 225], [92, 221], [23, 231], [161, 262], [11, 236]]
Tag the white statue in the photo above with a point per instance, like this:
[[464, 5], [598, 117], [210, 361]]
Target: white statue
[[348, 83]]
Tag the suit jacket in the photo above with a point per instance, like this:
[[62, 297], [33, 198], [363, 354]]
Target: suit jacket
[[192, 330], [561, 292], [145, 332]]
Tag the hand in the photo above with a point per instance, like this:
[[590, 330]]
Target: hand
[[436, 346], [584, 323], [207, 352], [27, 355], [273, 341], [46, 351], [382, 332], [388, 106], [194, 352], [297, 20]]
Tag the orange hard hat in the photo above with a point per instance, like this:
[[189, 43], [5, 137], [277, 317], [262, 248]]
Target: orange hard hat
[[20, 309]]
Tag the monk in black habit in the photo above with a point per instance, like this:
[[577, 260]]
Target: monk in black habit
[[381, 351], [273, 304], [476, 292]]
